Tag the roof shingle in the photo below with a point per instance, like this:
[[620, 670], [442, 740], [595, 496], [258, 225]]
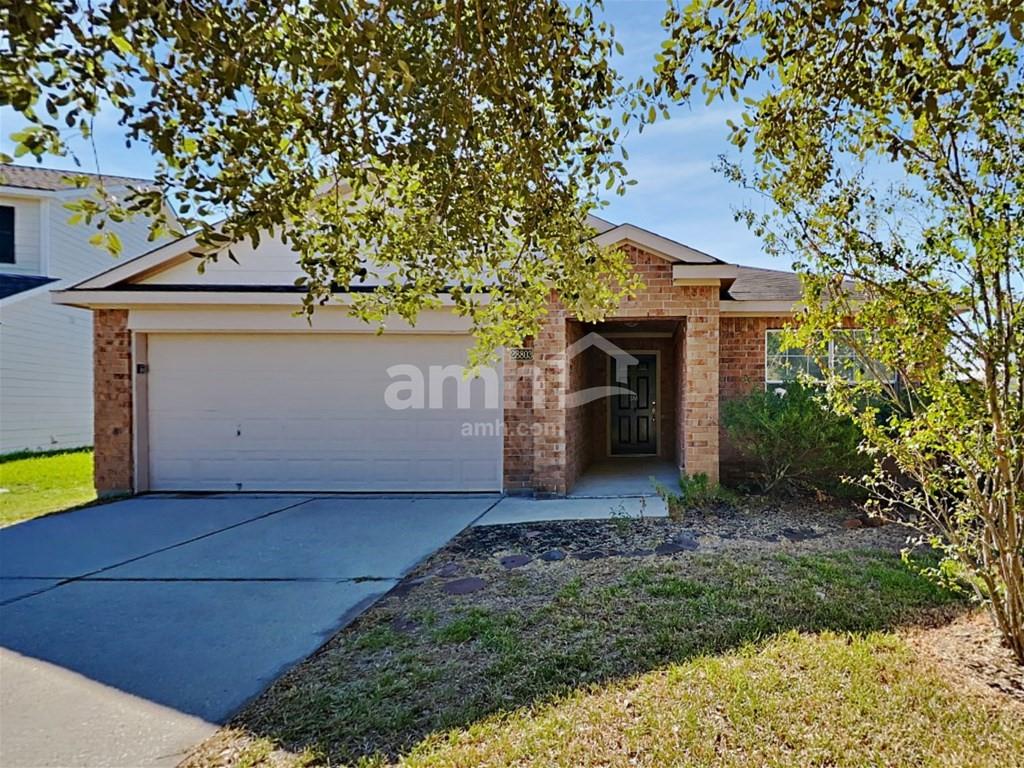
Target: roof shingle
[[12, 285], [757, 284], [53, 180]]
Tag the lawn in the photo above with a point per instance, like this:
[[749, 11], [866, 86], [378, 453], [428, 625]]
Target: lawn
[[38, 484], [726, 651]]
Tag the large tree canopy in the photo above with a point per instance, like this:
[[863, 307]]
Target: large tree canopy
[[445, 145], [887, 138]]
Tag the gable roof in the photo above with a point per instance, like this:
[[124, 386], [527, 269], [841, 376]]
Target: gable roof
[[750, 290], [53, 180], [660, 246]]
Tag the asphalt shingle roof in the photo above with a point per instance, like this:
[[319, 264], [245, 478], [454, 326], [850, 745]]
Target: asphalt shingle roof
[[757, 284], [11, 285], [52, 180]]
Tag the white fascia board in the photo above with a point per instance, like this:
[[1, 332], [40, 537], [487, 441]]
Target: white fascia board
[[107, 299], [284, 320], [25, 192], [164, 254], [704, 272], [758, 308], [660, 246]]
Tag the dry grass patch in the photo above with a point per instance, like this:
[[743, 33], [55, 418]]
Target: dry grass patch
[[746, 656]]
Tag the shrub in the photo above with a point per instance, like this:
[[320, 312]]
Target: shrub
[[792, 442], [695, 491]]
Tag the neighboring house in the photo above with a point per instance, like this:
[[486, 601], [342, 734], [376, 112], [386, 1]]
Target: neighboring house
[[46, 397], [212, 382]]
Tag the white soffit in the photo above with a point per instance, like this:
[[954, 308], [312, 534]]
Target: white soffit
[[704, 272]]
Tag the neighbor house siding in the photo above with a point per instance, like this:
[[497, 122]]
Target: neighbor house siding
[[46, 377], [27, 238]]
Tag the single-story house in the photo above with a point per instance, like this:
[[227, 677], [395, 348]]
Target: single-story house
[[46, 388], [211, 381]]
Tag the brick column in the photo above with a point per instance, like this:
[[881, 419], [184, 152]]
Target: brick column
[[700, 401], [112, 394], [518, 437], [549, 413]]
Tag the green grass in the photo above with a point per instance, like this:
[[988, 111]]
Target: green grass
[[42, 483], [752, 659], [795, 700]]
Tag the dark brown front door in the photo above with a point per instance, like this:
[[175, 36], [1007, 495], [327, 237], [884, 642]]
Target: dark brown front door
[[633, 422]]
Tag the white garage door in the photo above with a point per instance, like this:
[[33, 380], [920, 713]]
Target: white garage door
[[252, 412]]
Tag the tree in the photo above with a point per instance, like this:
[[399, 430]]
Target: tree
[[445, 146], [887, 139]]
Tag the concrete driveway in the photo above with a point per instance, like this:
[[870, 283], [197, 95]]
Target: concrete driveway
[[128, 631]]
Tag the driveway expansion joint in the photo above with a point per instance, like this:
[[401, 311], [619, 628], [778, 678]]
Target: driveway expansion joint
[[90, 574]]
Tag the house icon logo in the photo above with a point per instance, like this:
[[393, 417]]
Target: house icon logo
[[623, 360]]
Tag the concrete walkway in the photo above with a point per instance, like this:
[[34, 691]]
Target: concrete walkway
[[624, 477], [129, 630], [521, 509]]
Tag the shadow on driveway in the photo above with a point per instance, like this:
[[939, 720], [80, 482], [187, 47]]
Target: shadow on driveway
[[159, 614]]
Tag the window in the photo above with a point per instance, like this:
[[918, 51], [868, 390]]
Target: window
[[782, 366], [6, 234], [789, 365]]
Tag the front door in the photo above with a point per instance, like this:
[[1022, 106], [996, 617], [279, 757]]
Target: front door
[[633, 419]]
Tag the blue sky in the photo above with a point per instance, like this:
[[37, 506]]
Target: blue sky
[[677, 194]]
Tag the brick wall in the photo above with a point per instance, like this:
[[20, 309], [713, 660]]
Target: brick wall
[[549, 412], [112, 392], [742, 362], [679, 393], [577, 426], [700, 401], [518, 447], [560, 449], [742, 353]]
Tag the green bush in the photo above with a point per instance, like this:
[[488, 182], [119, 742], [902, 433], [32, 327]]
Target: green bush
[[695, 492], [792, 442]]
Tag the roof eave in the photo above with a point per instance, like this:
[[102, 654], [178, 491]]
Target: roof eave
[[759, 307]]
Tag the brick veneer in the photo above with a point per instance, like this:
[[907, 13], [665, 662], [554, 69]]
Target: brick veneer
[[112, 393], [559, 439], [546, 444], [578, 427], [742, 359], [518, 447], [742, 353]]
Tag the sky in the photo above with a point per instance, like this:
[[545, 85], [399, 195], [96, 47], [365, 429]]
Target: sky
[[677, 193]]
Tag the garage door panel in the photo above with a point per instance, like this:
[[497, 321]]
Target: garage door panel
[[290, 412]]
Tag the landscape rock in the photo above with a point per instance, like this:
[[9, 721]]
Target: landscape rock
[[514, 561], [464, 586]]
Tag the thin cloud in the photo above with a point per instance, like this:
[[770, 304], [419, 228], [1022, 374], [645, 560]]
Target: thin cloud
[[706, 119]]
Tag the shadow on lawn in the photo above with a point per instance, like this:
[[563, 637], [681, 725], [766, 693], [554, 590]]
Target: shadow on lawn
[[425, 661]]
